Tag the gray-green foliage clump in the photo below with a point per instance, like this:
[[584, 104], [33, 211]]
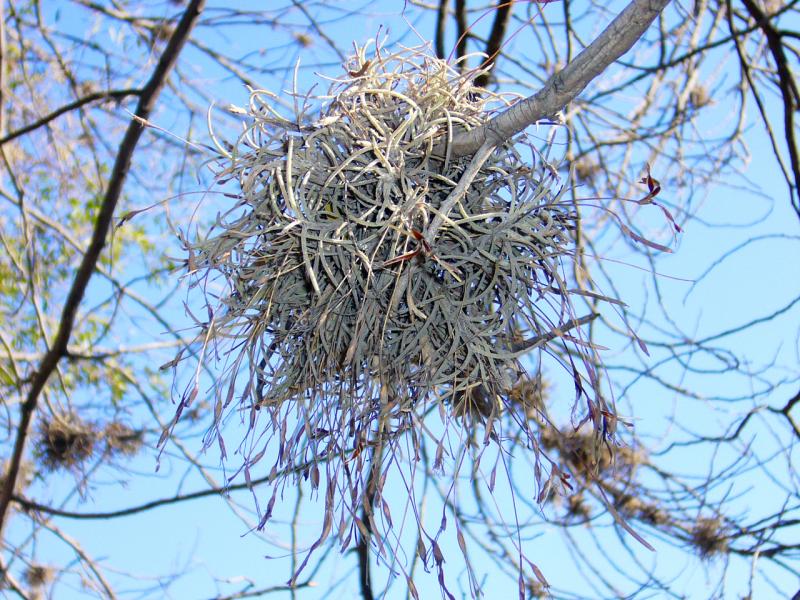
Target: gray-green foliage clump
[[363, 276]]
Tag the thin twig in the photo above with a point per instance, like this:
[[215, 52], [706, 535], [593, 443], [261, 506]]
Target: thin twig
[[89, 98]]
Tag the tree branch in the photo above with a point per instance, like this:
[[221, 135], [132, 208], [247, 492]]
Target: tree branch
[[102, 225], [115, 94], [363, 547], [441, 16], [789, 94], [462, 29], [496, 37], [31, 505], [619, 37]]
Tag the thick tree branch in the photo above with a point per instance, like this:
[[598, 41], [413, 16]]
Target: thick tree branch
[[496, 37], [564, 86], [102, 225], [789, 94], [462, 30], [441, 16]]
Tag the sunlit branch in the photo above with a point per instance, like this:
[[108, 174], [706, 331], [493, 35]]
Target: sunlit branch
[[619, 37]]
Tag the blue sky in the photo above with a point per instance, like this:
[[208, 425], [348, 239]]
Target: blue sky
[[203, 540]]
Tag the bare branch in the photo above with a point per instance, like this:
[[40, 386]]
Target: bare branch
[[441, 16], [462, 30], [112, 94], [496, 37], [789, 95], [565, 85]]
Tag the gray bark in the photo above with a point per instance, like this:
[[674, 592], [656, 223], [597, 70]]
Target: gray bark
[[620, 35]]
